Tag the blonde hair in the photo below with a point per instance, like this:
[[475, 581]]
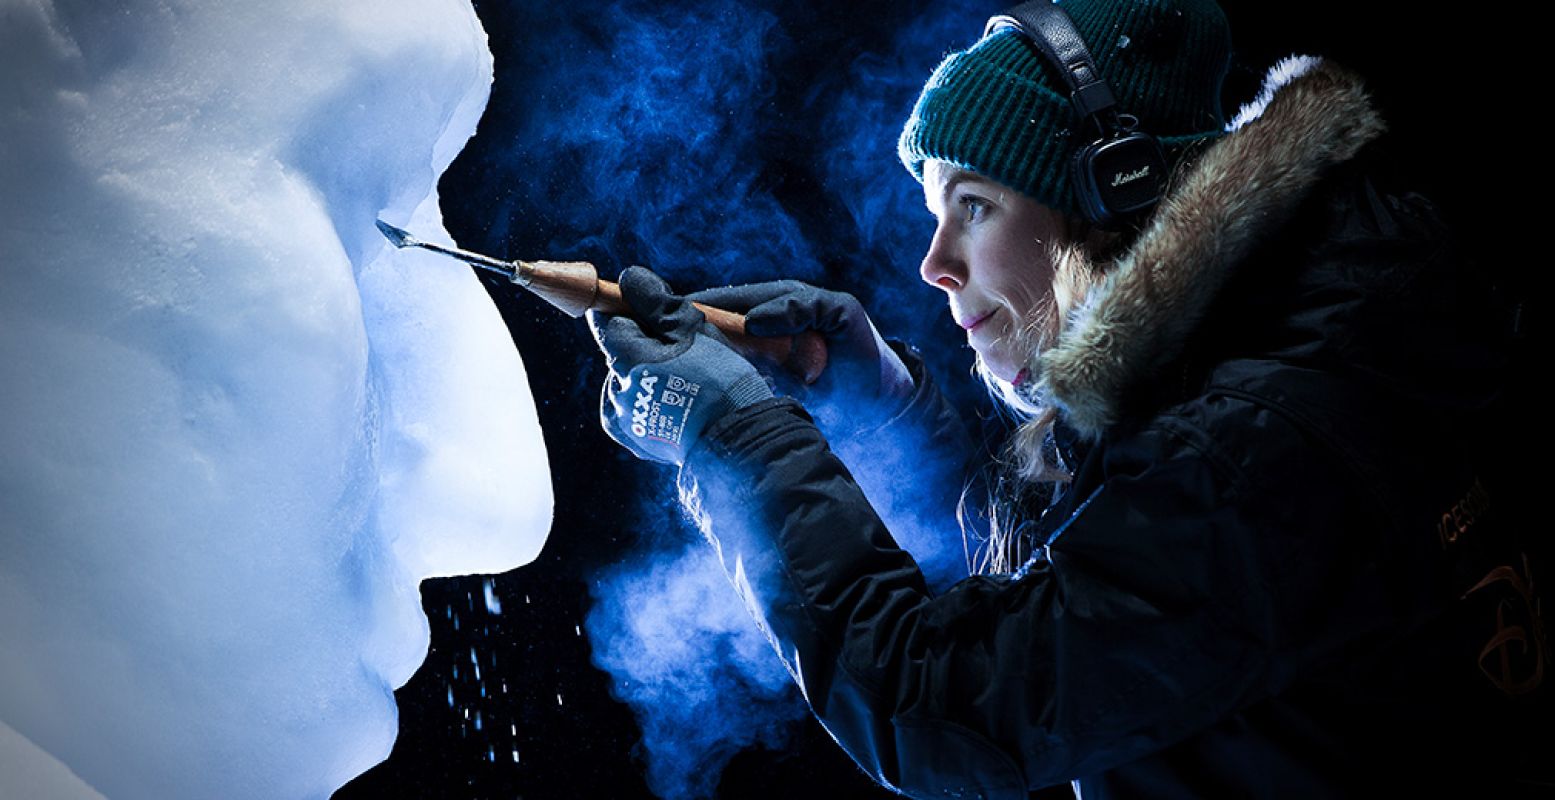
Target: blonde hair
[[1030, 467]]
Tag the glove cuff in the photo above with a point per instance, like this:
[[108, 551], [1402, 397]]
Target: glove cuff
[[748, 390]]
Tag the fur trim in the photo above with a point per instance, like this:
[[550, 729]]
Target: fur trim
[[1282, 73], [1311, 114]]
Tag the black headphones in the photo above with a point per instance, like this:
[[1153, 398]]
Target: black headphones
[[1121, 175]]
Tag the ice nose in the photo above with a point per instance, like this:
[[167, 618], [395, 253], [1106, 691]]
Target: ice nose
[[463, 490]]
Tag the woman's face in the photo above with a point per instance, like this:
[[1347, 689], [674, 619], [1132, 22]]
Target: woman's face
[[990, 255]]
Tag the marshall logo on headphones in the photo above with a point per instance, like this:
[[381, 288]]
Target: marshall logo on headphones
[[1128, 177]]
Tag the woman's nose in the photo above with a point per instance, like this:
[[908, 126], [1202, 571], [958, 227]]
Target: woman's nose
[[942, 266]]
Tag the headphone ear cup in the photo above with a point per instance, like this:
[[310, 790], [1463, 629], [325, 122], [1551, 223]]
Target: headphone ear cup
[[1083, 178], [1119, 178], [1122, 175]]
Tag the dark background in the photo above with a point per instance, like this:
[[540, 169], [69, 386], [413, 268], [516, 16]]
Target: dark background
[[748, 141]]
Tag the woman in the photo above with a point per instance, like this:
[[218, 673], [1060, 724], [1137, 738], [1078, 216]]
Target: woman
[[1270, 567]]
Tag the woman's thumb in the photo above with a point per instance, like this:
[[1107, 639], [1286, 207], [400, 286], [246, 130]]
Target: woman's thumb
[[655, 307]]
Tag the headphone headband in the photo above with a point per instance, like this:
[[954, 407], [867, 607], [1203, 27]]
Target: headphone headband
[[1121, 175], [1051, 31]]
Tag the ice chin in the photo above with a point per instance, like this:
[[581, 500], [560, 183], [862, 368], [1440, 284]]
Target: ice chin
[[239, 427]]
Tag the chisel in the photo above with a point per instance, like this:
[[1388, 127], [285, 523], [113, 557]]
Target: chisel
[[575, 287]]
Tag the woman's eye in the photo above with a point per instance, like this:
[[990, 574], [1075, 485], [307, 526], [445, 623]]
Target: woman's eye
[[973, 207]]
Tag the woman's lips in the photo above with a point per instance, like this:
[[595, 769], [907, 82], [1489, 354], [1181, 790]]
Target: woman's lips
[[972, 323]]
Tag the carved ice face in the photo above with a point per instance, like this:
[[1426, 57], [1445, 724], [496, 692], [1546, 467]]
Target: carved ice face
[[239, 427]]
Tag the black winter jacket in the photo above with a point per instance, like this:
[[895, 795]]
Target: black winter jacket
[[1283, 567]]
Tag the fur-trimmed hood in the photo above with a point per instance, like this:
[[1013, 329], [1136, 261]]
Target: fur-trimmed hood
[[1310, 115]]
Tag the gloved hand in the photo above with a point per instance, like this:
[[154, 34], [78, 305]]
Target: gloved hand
[[865, 383], [671, 373]]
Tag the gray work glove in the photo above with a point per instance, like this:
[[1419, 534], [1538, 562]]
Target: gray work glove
[[865, 383], [671, 373]]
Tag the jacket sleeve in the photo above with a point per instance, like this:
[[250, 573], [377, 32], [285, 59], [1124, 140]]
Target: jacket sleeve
[[1161, 605], [929, 440]]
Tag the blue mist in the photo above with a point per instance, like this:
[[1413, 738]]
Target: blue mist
[[724, 142]]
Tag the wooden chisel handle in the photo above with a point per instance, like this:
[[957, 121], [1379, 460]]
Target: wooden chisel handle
[[575, 287], [804, 354]]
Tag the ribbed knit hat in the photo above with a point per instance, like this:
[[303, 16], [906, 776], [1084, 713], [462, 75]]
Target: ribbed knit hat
[[999, 109]]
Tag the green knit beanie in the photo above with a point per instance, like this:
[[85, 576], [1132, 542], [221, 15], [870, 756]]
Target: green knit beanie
[[998, 109]]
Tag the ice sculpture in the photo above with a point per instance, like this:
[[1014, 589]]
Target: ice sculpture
[[238, 427]]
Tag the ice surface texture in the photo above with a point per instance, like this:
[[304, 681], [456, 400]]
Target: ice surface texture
[[238, 428]]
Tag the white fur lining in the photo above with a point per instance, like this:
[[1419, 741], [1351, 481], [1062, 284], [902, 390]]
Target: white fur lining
[[1283, 72], [1311, 114]]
